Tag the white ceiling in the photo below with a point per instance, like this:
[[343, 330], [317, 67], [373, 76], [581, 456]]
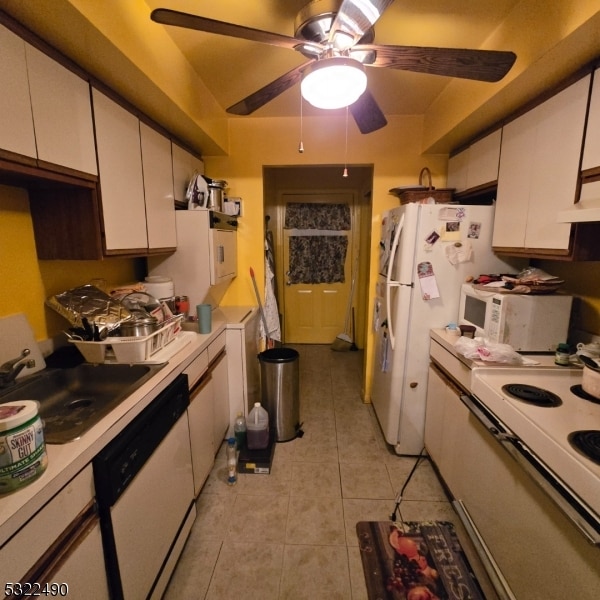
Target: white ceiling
[[233, 68]]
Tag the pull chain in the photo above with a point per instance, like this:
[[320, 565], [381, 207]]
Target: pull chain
[[300, 145], [345, 173]]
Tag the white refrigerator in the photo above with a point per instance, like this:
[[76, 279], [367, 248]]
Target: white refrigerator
[[426, 252]]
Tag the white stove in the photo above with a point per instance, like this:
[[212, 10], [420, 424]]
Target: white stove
[[545, 430]]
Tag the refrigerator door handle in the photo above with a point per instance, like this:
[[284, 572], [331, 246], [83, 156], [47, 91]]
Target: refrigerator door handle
[[389, 282]]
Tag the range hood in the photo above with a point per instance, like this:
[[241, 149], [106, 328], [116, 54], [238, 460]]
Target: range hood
[[587, 209]]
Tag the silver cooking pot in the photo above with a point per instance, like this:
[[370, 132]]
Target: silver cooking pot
[[216, 194], [139, 326]]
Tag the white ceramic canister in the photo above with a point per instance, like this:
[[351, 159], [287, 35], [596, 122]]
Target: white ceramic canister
[[23, 455], [159, 286]]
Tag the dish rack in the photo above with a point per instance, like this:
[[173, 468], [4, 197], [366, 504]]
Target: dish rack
[[130, 349]]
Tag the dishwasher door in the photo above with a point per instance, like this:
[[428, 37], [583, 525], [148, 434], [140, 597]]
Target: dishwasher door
[[147, 517]]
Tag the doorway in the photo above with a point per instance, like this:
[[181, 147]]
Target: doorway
[[313, 311]]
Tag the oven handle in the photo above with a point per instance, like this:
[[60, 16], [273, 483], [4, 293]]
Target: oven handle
[[572, 507]]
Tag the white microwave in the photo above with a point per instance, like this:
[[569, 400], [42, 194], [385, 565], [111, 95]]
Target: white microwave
[[528, 322]]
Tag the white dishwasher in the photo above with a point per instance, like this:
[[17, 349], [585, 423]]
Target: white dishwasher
[[145, 493]]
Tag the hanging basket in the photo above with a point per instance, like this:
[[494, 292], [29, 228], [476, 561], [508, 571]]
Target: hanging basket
[[423, 192]]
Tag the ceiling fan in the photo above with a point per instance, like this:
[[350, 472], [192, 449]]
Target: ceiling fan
[[337, 37]]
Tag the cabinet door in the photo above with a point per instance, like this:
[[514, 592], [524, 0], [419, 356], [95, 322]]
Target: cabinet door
[[591, 150], [158, 188], [83, 569], [457, 171], [184, 165], [121, 178], [514, 180], [221, 400], [16, 121], [201, 419], [62, 114], [555, 169], [484, 158]]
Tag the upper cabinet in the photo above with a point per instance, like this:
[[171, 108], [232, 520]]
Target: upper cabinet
[[16, 119], [185, 165], [591, 148], [45, 109], [136, 181], [538, 175], [476, 167]]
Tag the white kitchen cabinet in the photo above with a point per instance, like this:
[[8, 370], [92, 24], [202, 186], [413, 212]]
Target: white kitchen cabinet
[[16, 120], [591, 148], [220, 399], [137, 213], [539, 168], [52, 544], [444, 419], [477, 165], [121, 175], [158, 188], [201, 423], [45, 109], [62, 114], [184, 166]]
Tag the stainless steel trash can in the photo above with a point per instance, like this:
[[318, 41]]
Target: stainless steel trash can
[[280, 391]]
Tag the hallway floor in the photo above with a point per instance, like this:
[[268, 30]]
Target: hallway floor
[[291, 534]]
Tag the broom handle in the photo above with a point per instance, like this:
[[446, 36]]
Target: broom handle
[[349, 309]]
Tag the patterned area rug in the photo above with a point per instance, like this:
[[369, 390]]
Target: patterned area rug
[[415, 561]]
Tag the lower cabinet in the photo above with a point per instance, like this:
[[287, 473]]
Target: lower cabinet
[[60, 546], [208, 412], [200, 416]]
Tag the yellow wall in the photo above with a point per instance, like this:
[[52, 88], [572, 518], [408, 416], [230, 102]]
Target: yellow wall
[[393, 151], [27, 282]]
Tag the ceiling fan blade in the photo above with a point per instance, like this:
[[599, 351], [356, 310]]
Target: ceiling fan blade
[[267, 93], [353, 19], [367, 114], [482, 65], [167, 16]]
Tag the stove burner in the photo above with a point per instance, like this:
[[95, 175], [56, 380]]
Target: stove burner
[[581, 393], [586, 442], [532, 395]]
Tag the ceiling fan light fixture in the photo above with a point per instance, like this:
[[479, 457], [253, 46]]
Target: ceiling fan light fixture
[[334, 82]]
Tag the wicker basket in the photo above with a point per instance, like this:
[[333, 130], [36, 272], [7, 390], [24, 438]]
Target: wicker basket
[[422, 193]]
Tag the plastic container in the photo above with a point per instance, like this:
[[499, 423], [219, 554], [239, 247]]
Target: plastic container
[[231, 461], [23, 455], [159, 286], [239, 430], [257, 428], [562, 356]]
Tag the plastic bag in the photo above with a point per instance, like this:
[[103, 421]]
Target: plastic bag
[[480, 348]]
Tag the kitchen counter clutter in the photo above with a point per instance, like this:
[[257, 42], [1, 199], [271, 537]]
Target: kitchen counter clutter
[[66, 461]]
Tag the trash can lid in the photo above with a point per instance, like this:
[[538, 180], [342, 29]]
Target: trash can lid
[[278, 355]]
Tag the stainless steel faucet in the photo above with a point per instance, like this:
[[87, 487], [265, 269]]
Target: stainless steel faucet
[[11, 368]]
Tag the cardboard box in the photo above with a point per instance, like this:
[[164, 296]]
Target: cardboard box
[[257, 461]]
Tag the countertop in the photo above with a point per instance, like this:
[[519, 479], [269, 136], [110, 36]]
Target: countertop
[[65, 461], [442, 337]]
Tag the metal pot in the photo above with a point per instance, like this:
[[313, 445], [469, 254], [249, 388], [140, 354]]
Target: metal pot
[[216, 191], [590, 381], [139, 326]]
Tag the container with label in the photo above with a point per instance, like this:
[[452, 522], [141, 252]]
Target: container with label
[[23, 455]]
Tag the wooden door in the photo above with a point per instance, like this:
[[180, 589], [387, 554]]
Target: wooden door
[[315, 313]]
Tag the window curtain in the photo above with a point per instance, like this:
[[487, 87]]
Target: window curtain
[[332, 217], [317, 258]]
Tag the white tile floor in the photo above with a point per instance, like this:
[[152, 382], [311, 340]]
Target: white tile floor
[[291, 534]]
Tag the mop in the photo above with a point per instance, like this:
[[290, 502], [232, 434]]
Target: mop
[[343, 342]]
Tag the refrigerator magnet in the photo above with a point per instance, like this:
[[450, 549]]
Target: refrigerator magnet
[[474, 231], [429, 288], [452, 213], [451, 231]]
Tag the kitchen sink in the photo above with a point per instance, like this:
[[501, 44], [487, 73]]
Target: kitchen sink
[[74, 400]]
